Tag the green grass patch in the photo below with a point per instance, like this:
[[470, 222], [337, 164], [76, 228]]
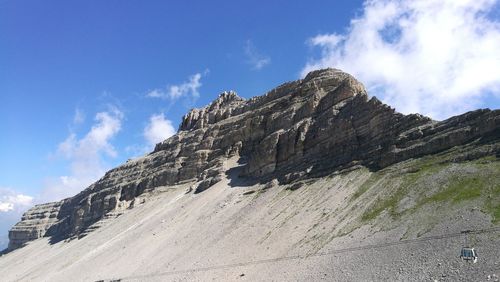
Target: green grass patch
[[485, 184], [390, 204], [457, 191], [492, 205], [372, 180]]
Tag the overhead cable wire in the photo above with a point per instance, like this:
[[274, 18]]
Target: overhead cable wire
[[319, 254]]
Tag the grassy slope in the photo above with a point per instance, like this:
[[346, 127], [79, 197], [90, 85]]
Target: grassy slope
[[432, 183]]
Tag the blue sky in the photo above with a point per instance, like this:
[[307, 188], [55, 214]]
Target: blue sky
[[85, 85]]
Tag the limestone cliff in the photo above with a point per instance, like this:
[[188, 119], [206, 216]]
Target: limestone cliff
[[301, 129]]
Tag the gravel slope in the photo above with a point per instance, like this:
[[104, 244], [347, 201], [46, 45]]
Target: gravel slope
[[313, 232]]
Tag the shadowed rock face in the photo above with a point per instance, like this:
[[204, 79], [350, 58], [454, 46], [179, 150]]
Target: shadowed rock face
[[305, 128]]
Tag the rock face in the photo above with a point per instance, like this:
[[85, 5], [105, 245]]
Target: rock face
[[33, 224], [305, 128]]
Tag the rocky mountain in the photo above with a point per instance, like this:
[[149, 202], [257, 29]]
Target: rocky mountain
[[351, 162]]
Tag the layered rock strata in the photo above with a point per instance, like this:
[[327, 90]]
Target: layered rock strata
[[34, 224], [305, 128]]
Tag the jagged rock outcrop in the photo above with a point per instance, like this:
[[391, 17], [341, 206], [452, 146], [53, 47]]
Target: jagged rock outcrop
[[305, 128]]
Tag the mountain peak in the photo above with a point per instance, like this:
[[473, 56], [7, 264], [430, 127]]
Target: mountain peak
[[300, 130], [323, 73], [217, 110]]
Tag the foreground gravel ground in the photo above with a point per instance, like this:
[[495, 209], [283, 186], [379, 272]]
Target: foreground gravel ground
[[243, 233]]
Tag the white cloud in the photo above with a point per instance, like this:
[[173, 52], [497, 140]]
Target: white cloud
[[86, 156], [6, 206], [156, 93], [254, 58], [438, 58], [13, 201], [326, 40], [158, 129], [189, 88]]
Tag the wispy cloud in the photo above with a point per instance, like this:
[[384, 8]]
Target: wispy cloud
[[158, 129], [156, 93], [254, 57], [189, 88], [438, 58], [86, 156], [79, 116]]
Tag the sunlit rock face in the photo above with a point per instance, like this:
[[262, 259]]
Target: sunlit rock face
[[301, 129]]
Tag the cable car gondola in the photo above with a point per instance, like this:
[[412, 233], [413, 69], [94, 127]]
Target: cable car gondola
[[468, 253]]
